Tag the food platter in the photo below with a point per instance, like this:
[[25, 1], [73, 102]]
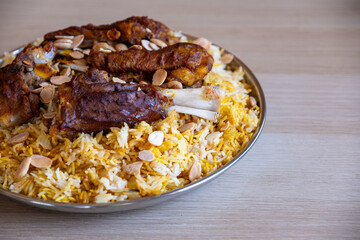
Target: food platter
[[256, 92]]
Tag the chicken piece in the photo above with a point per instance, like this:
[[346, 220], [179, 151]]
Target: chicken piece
[[90, 103], [184, 62], [30, 67], [131, 30]]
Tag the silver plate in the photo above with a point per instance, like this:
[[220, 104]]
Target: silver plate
[[257, 93]]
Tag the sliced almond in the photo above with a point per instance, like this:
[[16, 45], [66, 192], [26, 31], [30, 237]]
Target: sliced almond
[[226, 126], [44, 84], [174, 85], [203, 42], [37, 90], [58, 80], [62, 45], [76, 55], [227, 58], [63, 40], [66, 72], [81, 62], [86, 51], [18, 138], [159, 77], [102, 45], [118, 80], [143, 83], [195, 171], [146, 155], [145, 44], [104, 50], [133, 168], [158, 42], [47, 94], [49, 115], [121, 47], [187, 126], [252, 101], [40, 161], [77, 41], [63, 36], [27, 62], [138, 47], [156, 138], [23, 168], [153, 46], [56, 67]]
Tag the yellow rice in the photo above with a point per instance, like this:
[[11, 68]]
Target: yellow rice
[[89, 168]]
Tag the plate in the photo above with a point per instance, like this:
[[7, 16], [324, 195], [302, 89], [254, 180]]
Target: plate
[[125, 205]]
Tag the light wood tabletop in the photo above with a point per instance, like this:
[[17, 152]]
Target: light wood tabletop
[[301, 180]]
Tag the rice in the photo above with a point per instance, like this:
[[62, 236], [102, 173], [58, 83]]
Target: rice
[[89, 168]]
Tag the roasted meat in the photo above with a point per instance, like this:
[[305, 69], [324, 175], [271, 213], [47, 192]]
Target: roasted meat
[[131, 30], [184, 62], [30, 67], [90, 103]]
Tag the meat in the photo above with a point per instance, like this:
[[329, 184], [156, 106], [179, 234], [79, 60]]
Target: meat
[[184, 62], [131, 30], [30, 67], [90, 103]]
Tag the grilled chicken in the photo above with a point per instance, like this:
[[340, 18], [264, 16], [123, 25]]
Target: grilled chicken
[[184, 62], [131, 30]]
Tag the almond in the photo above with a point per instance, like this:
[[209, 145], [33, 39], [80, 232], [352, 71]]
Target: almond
[[227, 58], [195, 171], [23, 168], [97, 47], [252, 101], [86, 51], [121, 47], [118, 80], [156, 138], [158, 42], [133, 168], [138, 47], [40, 161], [81, 62], [18, 138], [61, 45], [49, 115], [66, 72], [58, 80], [174, 85], [146, 155], [77, 41], [64, 37], [145, 44], [76, 55], [47, 94], [188, 126], [159, 77], [203, 42], [37, 90]]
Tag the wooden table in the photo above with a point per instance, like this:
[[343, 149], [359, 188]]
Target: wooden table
[[301, 180]]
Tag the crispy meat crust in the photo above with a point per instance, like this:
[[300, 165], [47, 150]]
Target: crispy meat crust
[[131, 30], [89, 103], [184, 62]]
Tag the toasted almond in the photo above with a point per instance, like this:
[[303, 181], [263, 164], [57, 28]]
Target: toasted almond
[[81, 62], [203, 42], [174, 85], [159, 77], [195, 171], [58, 80], [97, 47], [63, 40], [138, 47], [146, 155], [40, 161], [27, 62], [76, 55], [44, 84], [252, 101], [156, 138], [187, 126], [77, 41], [86, 51], [133, 168], [63, 36], [47, 94], [227, 58], [62, 45], [104, 50], [121, 47], [23, 168], [225, 126], [49, 115], [145, 44], [153, 46], [37, 90], [143, 83], [66, 72], [56, 67], [158, 42], [118, 80], [18, 138]]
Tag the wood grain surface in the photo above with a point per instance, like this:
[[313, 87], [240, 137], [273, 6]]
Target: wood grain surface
[[301, 180]]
